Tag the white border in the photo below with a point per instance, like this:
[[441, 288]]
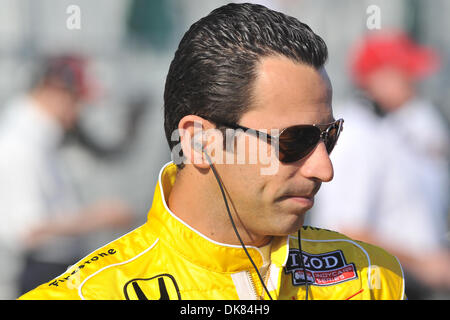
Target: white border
[[244, 287], [98, 249], [403, 279], [113, 265], [369, 271], [368, 259], [188, 226]]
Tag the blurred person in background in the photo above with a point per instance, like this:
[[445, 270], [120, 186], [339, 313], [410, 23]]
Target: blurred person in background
[[41, 218], [392, 183]]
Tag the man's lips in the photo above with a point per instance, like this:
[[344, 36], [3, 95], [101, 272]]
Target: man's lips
[[304, 200], [303, 197]]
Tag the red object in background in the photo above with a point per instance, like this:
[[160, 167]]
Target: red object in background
[[391, 49], [71, 70]]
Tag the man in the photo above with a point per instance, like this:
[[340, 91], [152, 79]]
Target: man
[[41, 216], [396, 149], [219, 229]]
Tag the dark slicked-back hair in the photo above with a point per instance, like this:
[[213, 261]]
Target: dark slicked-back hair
[[214, 66]]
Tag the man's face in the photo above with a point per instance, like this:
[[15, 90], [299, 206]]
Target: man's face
[[390, 87], [63, 104], [284, 94]]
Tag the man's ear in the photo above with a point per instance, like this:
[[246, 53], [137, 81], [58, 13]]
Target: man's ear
[[192, 139]]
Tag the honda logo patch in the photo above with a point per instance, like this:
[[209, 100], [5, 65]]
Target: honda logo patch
[[160, 287]]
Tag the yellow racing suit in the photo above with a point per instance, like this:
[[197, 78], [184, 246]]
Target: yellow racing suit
[[167, 259]]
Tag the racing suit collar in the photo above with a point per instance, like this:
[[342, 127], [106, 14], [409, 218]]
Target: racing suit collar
[[196, 247]]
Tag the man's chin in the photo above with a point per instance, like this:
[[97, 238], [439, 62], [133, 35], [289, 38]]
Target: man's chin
[[289, 226]]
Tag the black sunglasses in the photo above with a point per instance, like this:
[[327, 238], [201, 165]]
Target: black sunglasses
[[296, 142]]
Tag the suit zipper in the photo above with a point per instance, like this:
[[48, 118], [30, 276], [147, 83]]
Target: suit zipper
[[252, 285]]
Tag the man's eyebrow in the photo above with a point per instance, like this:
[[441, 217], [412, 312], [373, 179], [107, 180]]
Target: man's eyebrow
[[326, 118]]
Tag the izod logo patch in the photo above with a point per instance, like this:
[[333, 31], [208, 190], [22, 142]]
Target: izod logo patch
[[323, 269]]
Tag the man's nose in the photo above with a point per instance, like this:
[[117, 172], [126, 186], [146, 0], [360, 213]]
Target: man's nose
[[317, 165]]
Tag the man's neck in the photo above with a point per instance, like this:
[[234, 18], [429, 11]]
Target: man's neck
[[202, 207]]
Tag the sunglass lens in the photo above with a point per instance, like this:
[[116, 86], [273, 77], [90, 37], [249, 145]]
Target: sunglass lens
[[331, 139], [296, 142], [333, 135]]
